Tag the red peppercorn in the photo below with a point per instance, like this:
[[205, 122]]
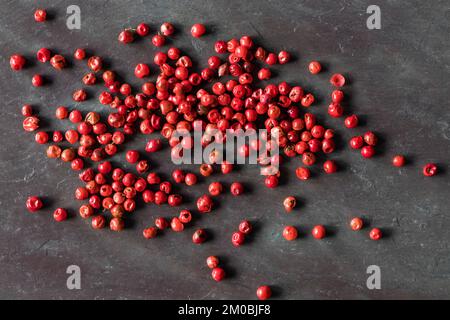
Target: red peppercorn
[[335, 110], [367, 151], [27, 110], [79, 95], [284, 57], [60, 214], [98, 222], [141, 70], [356, 224], [86, 211], [190, 179], [79, 54], [178, 176], [58, 62], [34, 204], [398, 161], [271, 181], [212, 262], [215, 188], [150, 233], [429, 170], [375, 234], [237, 238], [41, 137], [289, 203], [356, 142], [43, 55], [290, 233], [158, 40], [199, 236], [37, 80], [30, 124], [174, 200], [125, 36], [218, 274], [153, 145], [132, 156], [271, 59], [61, 112], [116, 224], [17, 62], [236, 188], [337, 96], [302, 173], [142, 29], [351, 121], [329, 166], [314, 67], [167, 29], [263, 292], [337, 80], [264, 74], [370, 138], [198, 30], [318, 232], [40, 15], [176, 225], [245, 227], [204, 204], [95, 63]]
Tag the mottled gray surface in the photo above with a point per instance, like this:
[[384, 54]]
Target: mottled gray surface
[[399, 81]]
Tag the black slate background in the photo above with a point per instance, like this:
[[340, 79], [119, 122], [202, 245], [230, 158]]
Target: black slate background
[[398, 83]]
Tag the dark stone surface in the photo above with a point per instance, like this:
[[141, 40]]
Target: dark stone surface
[[399, 80]]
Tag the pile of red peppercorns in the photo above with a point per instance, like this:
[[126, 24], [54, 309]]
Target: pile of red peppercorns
[[179, 100]]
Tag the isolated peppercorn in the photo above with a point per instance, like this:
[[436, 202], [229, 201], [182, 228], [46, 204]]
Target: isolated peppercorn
[[60, 214], [290, 233], [429, 170], [236, 189], [40, 15], [314, 67], [356, 224], [289, 203], [375, 234], [398, 161], [198, 30], [199, 236], [17, 62], [318, 232], [37, 80], [34, 204], [263, 292]]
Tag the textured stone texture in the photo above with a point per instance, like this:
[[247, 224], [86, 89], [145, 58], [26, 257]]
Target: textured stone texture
[[399, 80]]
